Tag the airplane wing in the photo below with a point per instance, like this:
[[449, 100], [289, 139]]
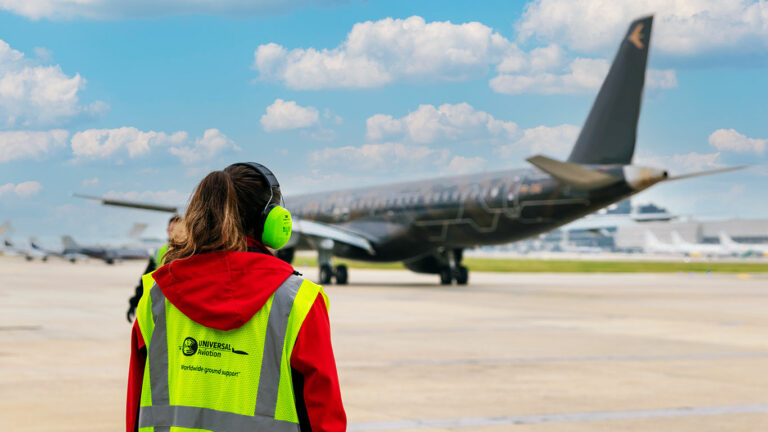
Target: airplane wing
[[131, 204], [316, 231], [321, 231]]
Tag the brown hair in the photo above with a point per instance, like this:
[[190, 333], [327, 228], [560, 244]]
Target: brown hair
[[225, 208]]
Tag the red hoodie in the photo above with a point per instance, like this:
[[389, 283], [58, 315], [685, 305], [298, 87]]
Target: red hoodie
[[223, 290]]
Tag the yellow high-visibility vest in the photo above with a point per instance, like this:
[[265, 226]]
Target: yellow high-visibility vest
[[160, 255], [199, 378]]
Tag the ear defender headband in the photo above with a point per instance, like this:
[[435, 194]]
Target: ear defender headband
[[275, 220]]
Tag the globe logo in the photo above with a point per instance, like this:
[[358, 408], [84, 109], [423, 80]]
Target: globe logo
[[190, 347]]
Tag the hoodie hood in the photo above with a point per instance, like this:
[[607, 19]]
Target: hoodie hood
[[222, 290]]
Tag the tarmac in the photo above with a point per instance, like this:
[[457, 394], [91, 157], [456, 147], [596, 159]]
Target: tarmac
[[509, 352]]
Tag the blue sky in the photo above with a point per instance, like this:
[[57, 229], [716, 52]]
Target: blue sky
[[139, 100]]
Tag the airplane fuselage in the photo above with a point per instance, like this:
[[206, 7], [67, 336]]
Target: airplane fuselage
[[408, 220]]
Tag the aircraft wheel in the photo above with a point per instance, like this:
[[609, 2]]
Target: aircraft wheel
[[462, 275], [326, 273], [109, 261], [28, 258], [445, 276], [45, 259], [342, 274]]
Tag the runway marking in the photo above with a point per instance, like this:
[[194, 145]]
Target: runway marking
[[21, 328], [469, 422], [605, 358]]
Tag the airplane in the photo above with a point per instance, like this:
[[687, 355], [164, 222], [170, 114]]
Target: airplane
[[737, 248], [428, 224], [9, 248], [72, 257], [655, 246], [109, 255], [697, 249], [28, 254]]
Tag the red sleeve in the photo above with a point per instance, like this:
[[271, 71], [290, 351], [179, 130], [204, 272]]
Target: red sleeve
[[313, 357], [135, 378]]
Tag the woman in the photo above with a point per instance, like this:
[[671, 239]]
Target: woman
[[228, 337]]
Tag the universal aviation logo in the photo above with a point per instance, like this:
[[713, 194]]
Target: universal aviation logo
[[191, 346]]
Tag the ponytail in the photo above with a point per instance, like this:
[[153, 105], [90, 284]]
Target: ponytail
[[212, 221]]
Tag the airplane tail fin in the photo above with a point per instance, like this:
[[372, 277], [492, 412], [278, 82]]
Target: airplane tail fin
[[608, 135], [677, 239], [69, 243], [650, 239], [137, 230], [725, 239]]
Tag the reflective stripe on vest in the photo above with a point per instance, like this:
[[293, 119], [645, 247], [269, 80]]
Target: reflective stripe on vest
[[162, 415]]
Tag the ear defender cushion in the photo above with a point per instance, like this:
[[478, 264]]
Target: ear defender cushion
[[277, 228]]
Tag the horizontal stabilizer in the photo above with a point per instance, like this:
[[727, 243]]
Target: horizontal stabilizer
[[131, 204], [323, 231], [572, 174]]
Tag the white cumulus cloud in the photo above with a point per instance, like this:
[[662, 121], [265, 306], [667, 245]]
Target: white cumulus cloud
[[16, 145], [285, 115], [212, 143], [579, 76], [37, 95], [465, 165], [681, 27], [112, 9], [90, 182], [24, 189], [376, 53], [103, 143], [447, 122], [384, 157], [730, 140], [555, 141]]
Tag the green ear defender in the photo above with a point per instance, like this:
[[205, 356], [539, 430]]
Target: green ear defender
[[275, 220], [277, 227]]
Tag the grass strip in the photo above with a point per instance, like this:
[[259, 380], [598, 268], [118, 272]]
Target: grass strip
[[504, 265]]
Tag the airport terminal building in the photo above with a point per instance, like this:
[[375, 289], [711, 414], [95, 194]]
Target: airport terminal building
[[623, 228]]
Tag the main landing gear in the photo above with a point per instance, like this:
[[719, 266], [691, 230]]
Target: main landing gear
[[327, 272], [451, 269]]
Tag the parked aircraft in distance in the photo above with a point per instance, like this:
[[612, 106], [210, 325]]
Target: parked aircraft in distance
[[72, 257], [698, 249], [655, 246], [109, 255], [428, 224], [736, 248], [9, 248]]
